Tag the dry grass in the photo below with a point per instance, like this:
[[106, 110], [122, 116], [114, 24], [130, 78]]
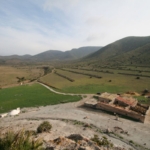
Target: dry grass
[[129, 82], [8, 74], [19, 141]]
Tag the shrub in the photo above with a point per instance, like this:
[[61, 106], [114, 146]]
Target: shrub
[[19, 141], [131, 141], [102, 142], [44, 127]]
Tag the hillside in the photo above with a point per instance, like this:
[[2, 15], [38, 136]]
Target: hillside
[[83, 51], [67, 55], [15, 57], [127, 50], [48, 55]]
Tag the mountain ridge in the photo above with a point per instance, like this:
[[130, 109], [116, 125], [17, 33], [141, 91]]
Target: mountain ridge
[[52, 55], [128, 49]]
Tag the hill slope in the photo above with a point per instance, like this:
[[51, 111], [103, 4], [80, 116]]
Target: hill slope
[[67, 55], [127, 50], [51, 55], [83, 51]]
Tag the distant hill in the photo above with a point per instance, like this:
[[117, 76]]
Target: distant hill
[[14, 59], [48, 55], [127, 50], [51, 55], [83, 51], [67, 55], [15, 56]]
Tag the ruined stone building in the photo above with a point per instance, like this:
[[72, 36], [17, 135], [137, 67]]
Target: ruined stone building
[[126, 106]]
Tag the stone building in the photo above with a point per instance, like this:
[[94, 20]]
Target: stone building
[[126, 106]]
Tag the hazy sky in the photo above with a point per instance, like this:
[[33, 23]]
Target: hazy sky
[[34, 26]]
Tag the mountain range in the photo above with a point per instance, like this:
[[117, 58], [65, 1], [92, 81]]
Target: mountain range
[[53, 55], [129, 50], [67, 55]]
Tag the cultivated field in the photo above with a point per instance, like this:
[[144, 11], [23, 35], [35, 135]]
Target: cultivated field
[[32, 95], [110, 82], [83, 78], [101, 79]]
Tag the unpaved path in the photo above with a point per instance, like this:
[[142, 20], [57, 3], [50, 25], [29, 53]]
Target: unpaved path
[[61, 92]]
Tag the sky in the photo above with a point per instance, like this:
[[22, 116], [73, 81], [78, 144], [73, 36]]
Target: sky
[[34, 26]]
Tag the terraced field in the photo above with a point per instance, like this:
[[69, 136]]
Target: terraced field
[[82, 83], [86, 82]]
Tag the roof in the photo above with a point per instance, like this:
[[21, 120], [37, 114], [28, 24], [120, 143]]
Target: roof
[[129, 101]]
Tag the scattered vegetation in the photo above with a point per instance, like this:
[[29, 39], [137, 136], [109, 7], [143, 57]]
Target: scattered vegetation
[[20, 79], [46, 70], [64, 77], [44, 127], [142, 99], [102, 142], [90, 75], [135, 75], [19, 141], [131, 141]]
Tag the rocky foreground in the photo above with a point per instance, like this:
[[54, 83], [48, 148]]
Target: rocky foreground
[[73, 127], [78, 142]]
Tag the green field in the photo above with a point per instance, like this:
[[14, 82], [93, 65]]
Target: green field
[[86, 84], [30, 96]]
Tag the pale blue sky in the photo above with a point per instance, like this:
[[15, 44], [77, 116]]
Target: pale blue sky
[[34, 26]]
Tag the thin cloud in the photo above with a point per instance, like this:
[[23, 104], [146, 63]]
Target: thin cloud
[[33, 26]]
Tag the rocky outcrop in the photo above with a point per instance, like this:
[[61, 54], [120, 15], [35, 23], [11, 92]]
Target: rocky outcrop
[[76, 142]]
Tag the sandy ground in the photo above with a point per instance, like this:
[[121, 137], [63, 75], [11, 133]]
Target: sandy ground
[[63, 118]]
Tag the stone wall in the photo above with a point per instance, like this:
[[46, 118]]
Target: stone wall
[[120, 111], [148, 110], [90, 105]]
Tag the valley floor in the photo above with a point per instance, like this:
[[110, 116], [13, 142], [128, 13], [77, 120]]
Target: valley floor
[[71, 118]]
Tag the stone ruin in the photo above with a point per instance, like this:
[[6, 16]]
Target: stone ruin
[[126, 106]]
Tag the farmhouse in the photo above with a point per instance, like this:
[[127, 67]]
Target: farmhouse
[[126, 106]]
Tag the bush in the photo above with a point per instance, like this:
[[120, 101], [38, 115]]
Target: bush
[[102, 142], [19, 141], [44, 127]]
